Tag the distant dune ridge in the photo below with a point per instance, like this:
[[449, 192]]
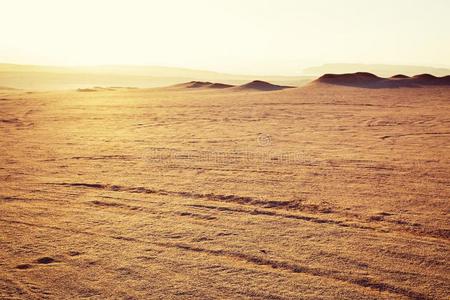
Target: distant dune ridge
[[203, 84], [260, 85], [255, 85], [6, 88], [358, 79], [369, 80], [379, 69]]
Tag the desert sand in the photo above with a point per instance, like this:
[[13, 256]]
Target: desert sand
[[320, 192]]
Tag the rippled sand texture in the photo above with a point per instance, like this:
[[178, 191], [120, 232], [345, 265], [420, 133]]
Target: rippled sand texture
[[315, 193]]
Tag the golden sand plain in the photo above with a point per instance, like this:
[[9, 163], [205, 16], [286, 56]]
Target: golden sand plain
[[318, 192]]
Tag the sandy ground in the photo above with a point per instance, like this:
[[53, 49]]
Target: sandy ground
[[310, 193]]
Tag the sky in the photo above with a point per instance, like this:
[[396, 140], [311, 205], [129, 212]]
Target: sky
[[236, 36]]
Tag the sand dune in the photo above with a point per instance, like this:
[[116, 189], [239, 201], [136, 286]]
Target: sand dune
[[259, 85], [369, 80], [428, 79], [256, 85], [378, 69], [400, 76], [202, 85]]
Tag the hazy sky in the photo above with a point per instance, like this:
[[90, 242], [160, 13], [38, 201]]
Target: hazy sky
[[240, 36]]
